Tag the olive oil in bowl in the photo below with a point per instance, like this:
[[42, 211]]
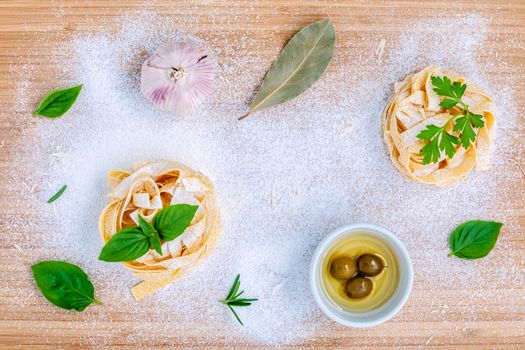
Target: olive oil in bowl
[[353, 246], [361, 275]]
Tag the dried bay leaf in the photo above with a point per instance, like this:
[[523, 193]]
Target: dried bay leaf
[[302, 61]]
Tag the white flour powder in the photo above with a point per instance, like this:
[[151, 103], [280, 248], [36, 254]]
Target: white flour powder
[[286, 177]]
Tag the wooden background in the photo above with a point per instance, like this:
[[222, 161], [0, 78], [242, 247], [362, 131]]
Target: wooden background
[[22, 23]]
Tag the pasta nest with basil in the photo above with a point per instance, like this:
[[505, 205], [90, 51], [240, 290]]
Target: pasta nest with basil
[[415, 105], [146, 189]]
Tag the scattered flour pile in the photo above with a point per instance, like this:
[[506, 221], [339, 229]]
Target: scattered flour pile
[[285, 177]]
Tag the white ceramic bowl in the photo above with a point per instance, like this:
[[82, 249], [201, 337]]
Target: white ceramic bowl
[[385, 311]]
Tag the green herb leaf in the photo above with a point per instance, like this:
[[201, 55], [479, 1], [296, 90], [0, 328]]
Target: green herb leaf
[[239, 303], [172, 221], [444, 87], [447, 144], [58, 194], [300, 64], [58, 102], [64, 284], [439, 140], [232, 299], [245, 300], [234, 288], [465, 125], [130, 243], [474, 239], [154, 241], [146, 227], [429, 133], [448, 103], [235, 314], [430, 151], [476, 120], [464, 122]]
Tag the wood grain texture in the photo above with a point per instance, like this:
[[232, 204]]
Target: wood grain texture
[[498, 325]]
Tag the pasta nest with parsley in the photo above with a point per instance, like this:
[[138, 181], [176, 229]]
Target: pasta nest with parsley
[[146, 189], [413, 107]]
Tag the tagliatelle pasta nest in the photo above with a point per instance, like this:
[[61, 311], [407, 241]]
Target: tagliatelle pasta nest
[[414, 106], [146, 189]]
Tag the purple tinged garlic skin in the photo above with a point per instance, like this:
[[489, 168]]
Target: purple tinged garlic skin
[[178, 77]]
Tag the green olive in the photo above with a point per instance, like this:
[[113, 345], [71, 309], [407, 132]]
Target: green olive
[[370, 264], [343, 268], [359, 287]]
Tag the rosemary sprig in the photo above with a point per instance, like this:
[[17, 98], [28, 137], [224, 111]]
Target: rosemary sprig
[[232, 299], [58, 194]]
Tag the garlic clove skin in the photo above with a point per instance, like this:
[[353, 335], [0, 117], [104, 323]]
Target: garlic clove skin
[[178, 77]]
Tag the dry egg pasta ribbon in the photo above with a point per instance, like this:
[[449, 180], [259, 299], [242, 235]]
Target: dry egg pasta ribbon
[[143, 191], [414, 106]]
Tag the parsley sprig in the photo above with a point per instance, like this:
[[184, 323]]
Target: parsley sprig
[[438, 138], [232, 299]]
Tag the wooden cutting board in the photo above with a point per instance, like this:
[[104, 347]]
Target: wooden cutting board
[[24, 23]]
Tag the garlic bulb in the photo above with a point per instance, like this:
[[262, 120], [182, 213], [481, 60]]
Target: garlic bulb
[[178, 77]]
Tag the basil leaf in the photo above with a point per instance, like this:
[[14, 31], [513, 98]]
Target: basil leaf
[[146, 227], [474, 239], [171, 221], [64, 284], [153, 235], [154, 241], [58, 102], [130, 243], [302, 61]]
